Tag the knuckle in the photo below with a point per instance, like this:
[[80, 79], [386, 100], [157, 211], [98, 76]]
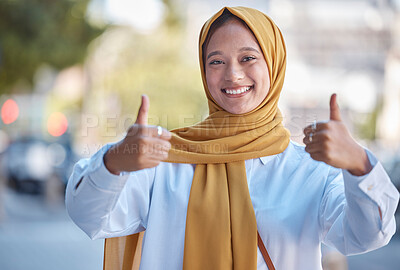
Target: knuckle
[[323, 126], [165, 154], [145, 140], [167, 145], [141, 140], [168, 134], [159, 146], [325, 136], [155, 149]]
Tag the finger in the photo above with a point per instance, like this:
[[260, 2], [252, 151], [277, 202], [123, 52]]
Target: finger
[[165, 134], [160, 145], [313, 147], [152, 131], [148, 145], [159, 155], [307, 140], [318, 127], [156, 151], [143, 111], [319, 156], [334, 109]]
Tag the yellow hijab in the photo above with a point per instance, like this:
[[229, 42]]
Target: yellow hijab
[[221, 229]]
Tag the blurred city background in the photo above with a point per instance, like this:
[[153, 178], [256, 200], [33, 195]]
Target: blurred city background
[[71, 76]]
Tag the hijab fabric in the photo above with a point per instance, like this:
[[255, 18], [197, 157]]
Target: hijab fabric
[[221, 229]]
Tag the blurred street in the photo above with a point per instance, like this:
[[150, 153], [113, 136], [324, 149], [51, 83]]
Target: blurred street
[[37, 235]]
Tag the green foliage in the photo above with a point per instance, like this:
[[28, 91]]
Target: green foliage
[[33, 32], [174, 17], [366, 124]]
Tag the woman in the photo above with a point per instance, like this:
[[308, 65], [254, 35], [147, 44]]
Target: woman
[[209, 194]]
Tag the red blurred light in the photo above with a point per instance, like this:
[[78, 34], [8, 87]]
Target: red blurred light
[[9, 111], [57, 124]]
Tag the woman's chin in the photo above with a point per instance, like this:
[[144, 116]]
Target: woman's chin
[[238, 110]]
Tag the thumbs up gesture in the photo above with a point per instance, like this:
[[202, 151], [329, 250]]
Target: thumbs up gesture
[[143, 147], [332, 143]]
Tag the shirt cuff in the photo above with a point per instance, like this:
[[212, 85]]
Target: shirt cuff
[[101, 177], [372, 184]]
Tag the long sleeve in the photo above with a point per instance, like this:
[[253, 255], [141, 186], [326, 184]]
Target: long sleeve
[[350, 220], [102, 204], [298, 203]]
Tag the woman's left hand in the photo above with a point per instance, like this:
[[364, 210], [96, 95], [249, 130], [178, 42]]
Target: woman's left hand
[[332, 143]]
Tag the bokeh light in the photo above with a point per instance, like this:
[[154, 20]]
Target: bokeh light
[[9, 111], [57, 124]]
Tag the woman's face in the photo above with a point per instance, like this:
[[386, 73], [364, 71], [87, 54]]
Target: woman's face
[[236, 72]]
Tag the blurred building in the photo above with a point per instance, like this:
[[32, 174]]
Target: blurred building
[[347, 47], [389, 120]]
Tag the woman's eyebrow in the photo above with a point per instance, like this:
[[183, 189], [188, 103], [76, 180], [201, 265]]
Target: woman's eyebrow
[[248, 49], [214, 53], [240, 50]]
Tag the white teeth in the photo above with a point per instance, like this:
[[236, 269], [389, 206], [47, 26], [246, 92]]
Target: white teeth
[[237, 91]]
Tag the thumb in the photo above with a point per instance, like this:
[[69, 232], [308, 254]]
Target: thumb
[[143, 111], [334, 109]]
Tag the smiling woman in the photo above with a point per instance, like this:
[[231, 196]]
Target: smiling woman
[[233, 192], [236, 72]]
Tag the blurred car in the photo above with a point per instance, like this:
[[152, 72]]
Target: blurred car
[[30, 162]]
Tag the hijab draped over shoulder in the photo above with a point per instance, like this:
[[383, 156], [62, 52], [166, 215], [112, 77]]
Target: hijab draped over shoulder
[[221, 229]]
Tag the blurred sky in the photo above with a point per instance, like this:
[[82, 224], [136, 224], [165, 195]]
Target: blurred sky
[[143, 15]]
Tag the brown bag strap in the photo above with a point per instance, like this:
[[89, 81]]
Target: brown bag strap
[[264, 252], [119, 252]]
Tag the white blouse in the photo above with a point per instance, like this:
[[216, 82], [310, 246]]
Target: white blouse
[[298, 203]]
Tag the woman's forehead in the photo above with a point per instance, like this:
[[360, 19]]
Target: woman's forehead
[[232, 33]]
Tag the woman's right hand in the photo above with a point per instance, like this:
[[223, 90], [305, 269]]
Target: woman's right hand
[[141, 148]]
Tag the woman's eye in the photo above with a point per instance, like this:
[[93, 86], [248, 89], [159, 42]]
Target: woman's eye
[[248, 58], [216, 62]]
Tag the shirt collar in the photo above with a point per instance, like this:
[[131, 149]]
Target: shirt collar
[[265, 160]]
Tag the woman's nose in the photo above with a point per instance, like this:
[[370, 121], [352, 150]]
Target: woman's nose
[[234, 73]]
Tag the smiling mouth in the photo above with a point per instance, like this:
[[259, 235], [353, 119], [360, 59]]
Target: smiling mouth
[[237, 92]]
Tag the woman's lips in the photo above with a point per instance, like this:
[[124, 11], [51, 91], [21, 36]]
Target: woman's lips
[[237, 91]]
